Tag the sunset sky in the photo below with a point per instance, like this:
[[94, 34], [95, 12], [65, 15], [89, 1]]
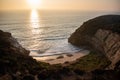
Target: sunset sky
[[109, 5]]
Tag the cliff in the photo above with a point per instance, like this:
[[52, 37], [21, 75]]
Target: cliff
[[109, 43], [102, 35], [9, 43]]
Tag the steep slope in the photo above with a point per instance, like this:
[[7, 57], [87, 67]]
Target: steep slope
[[101, 34], [15, 62]]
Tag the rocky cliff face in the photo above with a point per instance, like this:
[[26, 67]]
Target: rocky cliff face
[[15, 61], [109, 43], [101, 34], [7, 42]]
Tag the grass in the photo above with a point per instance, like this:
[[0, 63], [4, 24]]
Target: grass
[[90, 62]]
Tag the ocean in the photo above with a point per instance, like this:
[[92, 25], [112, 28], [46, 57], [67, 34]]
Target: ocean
[[45, 32]]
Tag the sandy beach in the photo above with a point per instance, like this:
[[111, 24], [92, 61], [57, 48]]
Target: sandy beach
[[64, 58]]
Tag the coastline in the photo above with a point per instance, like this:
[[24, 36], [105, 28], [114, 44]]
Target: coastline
[[62, 58], [101, 63]]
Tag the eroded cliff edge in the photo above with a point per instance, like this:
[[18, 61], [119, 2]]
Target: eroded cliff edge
[[102, 35]]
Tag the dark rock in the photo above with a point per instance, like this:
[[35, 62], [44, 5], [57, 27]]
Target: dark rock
[[59, 57], [101, 34], [7, 42], [66, 62], [69, 55], [83, 35], [13, 57]]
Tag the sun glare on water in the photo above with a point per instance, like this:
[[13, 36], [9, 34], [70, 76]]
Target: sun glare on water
[[34, 4]]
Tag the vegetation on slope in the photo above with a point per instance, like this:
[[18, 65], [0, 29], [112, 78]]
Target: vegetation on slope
[[91, 62]]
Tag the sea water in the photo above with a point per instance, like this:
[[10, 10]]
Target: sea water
[[45, 32]]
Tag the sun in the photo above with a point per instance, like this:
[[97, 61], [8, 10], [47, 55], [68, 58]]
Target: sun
[[34, 3]]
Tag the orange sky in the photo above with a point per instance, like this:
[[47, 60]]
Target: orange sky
[[108, 5]]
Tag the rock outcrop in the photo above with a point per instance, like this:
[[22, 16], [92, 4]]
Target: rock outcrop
[[101, 34], [108, 42], [7, 42]]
